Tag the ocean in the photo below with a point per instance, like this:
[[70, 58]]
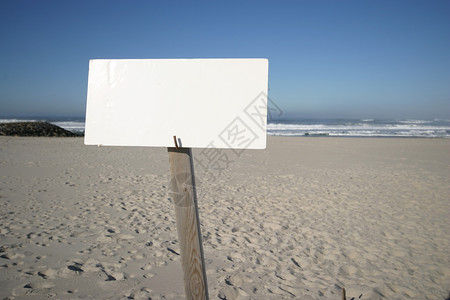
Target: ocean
[[437, 128]]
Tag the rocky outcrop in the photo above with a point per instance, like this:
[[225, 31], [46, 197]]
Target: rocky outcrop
[[34, 129]]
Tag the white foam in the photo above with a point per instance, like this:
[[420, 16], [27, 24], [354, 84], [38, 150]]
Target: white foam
[[415, 121], [388, 129], [16, 120], [71, 125]]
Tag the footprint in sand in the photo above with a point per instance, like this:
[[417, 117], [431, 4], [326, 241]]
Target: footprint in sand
[[75, 269], [48, 273], [12, 256], [34, 289], [143, 293]]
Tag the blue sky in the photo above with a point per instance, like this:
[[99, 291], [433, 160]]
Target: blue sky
[[340, 59]]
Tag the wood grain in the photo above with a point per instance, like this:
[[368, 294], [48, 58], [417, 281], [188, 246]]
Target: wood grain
[[188, 226]]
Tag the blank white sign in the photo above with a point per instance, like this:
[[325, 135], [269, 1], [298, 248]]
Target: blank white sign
[[206, 103]]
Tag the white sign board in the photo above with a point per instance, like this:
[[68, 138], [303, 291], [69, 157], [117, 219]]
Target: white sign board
[[206, 103]]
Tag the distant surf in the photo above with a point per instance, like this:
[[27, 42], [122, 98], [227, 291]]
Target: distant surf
[[437, 128]]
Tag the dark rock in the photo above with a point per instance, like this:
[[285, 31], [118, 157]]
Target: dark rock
[[34, 129]]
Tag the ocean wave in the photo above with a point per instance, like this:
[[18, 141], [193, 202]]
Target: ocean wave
[[72, 126], [437, 128], [348, 128], [415, 121], [17, 120]]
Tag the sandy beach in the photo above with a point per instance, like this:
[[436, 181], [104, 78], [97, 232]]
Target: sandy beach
[[300, 220]]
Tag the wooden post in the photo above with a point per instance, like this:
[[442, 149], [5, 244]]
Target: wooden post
[[184, 197]]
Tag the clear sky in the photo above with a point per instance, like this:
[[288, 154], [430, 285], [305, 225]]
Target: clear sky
[[341, 59]]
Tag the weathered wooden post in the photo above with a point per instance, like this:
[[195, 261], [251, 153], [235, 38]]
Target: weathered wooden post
[[207, 103], [184, 198]]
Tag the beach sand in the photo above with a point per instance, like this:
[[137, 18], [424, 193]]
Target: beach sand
[[302, 219]]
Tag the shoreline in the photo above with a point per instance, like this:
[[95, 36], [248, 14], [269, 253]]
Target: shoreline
[[300, 220], [78, 136], [435, 128]]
